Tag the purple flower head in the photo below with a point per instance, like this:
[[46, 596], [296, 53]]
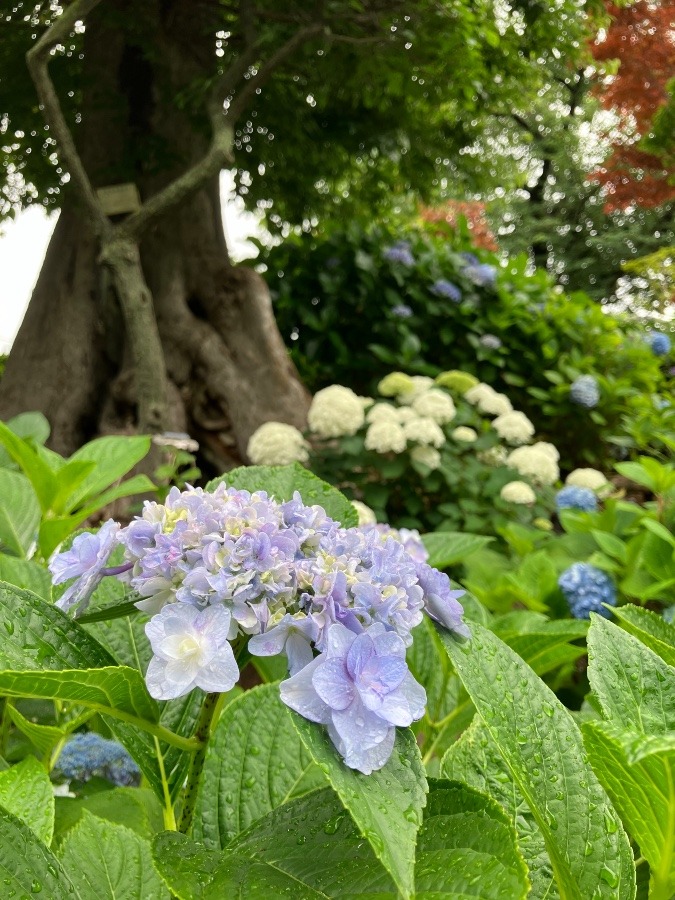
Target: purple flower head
[[402, 311], [481, 274], [361, 689], [88, 754], [584, 391], [409, 537], [85, 561], [400, 252], [440, 601], [443, 288], [293, 635], [470, 259], [191, 650]]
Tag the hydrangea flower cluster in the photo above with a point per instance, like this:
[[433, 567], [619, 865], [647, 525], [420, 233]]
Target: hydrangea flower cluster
[[584, 391], [488, 400], [400, 252], [586, 588], [88, 754], [514, 427], [456, 380], [538, 462], [335, 411], [443, 288], [490, 341], [277, 444], [573, 497], [659, 343], [216, 567], [592, 479], [518, 492], [481, 274]]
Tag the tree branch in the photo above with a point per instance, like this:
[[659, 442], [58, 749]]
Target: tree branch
[[37, 60]]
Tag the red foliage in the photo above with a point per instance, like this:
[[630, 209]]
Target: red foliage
[[642, 37], [474, 213]]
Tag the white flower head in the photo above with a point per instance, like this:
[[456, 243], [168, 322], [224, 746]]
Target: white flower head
[[591, 479], [382, 412], [277, 444], [549, 449], [424, 431], [518, 492], [420, 384], [365, 513], [514, 427], [488, 401], [427, 456], [191, 650], [405, 414], [435, 404], [385, 437], [465, 434], [535, 463], [336, 411]]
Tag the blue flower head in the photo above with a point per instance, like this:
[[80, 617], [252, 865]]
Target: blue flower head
[[586, 589], [572, 497], [481, 274], [443, 288], [402, 311], [400, 252], [584, 391], [659, 343], [87, 755]]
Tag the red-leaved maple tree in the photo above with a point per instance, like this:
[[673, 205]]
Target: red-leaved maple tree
[[642, 37]]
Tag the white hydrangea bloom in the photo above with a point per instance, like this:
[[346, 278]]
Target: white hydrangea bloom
[[514, 427], [435, 404], [534, 463], [395, 383], [365, 513], [277, 444], [405, 414], [592, 479], [465, 434], [424, 431], [385, 437], [488, 400], [518, 492], [495, 456], [335, 411], [420, 385], [366, 402], [549, 449], [428, 456], [382, 412]]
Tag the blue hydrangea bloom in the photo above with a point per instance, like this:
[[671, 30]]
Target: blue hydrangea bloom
[[85, 561], [443, 288], [586, 588], [572, 497], [481, 274], [88, 754], [659, 343], [361, 689], [402, 311], [584, 391], [400, 252]]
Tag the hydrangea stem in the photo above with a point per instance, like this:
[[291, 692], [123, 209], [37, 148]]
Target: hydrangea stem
[[206, 719]]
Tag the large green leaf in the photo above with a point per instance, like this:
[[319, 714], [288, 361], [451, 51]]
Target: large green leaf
[[448, 548], [46, 737], [27, 866], [543, 749], [125, 640], [652, 630], [137, 808], [27, 793], [40, 474], [640, 779], [19, 512], [385, 805], [25, 573], [475, 760], [633, 685], [114, 456], [110, 862], [467, 847], [255, 762], [31, 426], [308, 848], [281, 482]]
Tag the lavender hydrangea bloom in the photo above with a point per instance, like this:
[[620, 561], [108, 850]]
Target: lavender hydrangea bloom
[[400, 252], [292, 635], [443, 288], [440, 601], [401, 311], [491, 341], [89, 754], [481, 274], [85, 561], [409, 537], [584, 391], [586, 588], [361, 689], [191, 650]]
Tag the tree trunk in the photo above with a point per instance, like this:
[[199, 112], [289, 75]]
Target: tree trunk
[[227, 366]]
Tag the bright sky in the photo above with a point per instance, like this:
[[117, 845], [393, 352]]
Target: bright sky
[[23, 244]]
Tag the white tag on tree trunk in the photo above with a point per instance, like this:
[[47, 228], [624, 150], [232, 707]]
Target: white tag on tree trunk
[[118, 199]]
